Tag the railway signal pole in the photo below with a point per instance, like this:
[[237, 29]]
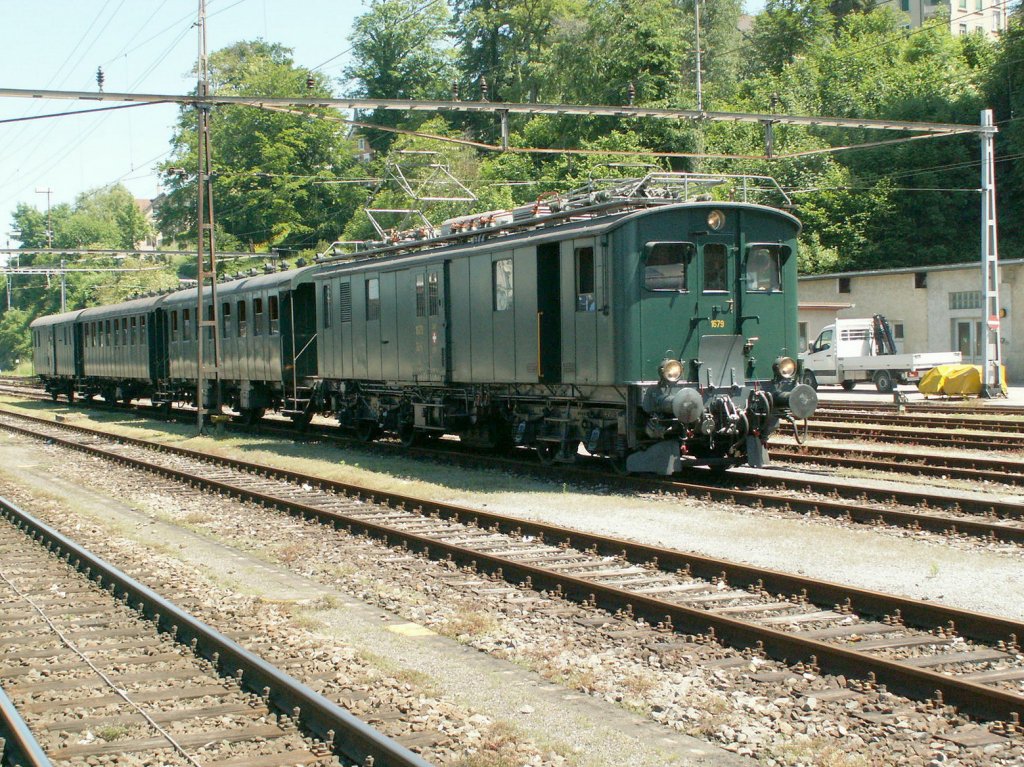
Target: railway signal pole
[[206, 260]]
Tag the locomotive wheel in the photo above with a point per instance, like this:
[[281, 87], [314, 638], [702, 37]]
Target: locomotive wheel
[[848, 385], [367, 431], [408, 435], [883, 381], [810, 379], [547, 452], [301, 420], [252, 415], [54, 394]]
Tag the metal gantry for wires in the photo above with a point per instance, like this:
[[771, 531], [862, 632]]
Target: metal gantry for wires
[[986, 131]]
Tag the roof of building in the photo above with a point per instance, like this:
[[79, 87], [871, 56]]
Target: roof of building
[[909, 270]]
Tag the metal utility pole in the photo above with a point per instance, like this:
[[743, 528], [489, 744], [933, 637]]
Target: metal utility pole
[[700, 90], [206, 272], [49, 225], [63, 287], [991, 368]]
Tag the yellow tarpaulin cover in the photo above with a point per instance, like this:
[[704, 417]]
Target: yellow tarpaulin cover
[[956, 380]]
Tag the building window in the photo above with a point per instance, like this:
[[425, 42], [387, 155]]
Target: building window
[[421, 296], [243, 322], [373, 299], [433, 295], [844, 284], [897, 331], [997, 20], [963, 29], [963, 5], [920, 279], [965, 299], [585, 280], [257, 316], [716, 268], [345, 302], [979, 5], [275, 316], [225, 319], [501, 273]]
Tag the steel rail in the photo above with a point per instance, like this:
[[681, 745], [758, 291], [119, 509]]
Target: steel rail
[[329, 722], [18, 747], [906, 436], [999, 425], [903, 463], [973, 698], [755, 497]]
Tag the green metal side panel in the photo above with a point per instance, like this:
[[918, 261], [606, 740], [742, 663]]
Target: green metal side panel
[[585, 325], [461, 314], [412, 330], [388, 326], [360, 363], [524, 323], [481, 319], [568, 291]]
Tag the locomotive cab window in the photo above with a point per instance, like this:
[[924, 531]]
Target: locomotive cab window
[[585, 280], [716, 268], [764, 268], [501, 273], [665, 265]]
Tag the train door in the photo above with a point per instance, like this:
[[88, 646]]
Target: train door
[[159, 355], [761, 301], [438, 323], [388, 325], [296, 322], [79, 344], [549, 313]]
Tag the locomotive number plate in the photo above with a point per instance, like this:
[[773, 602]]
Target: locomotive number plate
[[718, 323]]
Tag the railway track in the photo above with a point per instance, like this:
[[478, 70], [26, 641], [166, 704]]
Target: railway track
[[942, 465], [96, 667], [921, 420], [912, 434], [917, 509], [937, 655]]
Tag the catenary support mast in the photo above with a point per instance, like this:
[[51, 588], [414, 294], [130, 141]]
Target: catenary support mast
[[991, 384], [207, 361]]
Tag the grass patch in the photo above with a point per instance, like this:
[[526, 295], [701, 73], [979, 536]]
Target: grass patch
[[110, 732], [817, 751]]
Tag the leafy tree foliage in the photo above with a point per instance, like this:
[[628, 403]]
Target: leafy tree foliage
[[275, 173]]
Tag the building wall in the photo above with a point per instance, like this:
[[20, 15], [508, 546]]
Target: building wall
[[939, 309], [965, 16]]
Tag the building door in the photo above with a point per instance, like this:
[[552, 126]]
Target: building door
[[968, 336]]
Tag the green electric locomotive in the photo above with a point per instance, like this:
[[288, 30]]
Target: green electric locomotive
[[653, 327]]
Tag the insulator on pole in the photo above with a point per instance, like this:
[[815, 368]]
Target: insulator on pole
[[630, 93], [483, 89], [455, 90], [310, 82], [100, 78]]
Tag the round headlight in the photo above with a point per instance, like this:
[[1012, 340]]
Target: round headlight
[[716, 220], [785, 367], [670, 370]]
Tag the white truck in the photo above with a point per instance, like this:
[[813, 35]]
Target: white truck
[[853, 350]]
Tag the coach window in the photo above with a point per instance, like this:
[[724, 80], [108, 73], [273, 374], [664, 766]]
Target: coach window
[[225, 319], [502, 282], [585, 279], [373, 299], [134, 334], [716, 268], [421, 296], [174, 325], [764, 268], [433, 295], [142, 330], [210, 318], [666, 264], [243, 322], [186, 325], [328, 313], [117, 332], [257, 316], [275, 316]]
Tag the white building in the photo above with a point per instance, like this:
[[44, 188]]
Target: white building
[[931, 309], [965, 16]]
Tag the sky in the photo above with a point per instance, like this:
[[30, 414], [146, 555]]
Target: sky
[[143, 46]]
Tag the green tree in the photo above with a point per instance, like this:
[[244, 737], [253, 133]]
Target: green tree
[[788, 29], [276, 173]]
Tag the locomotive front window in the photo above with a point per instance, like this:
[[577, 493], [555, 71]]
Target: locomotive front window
[[716, 268], [764, 268], [665, 265], [585, 280], [502, 281]]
